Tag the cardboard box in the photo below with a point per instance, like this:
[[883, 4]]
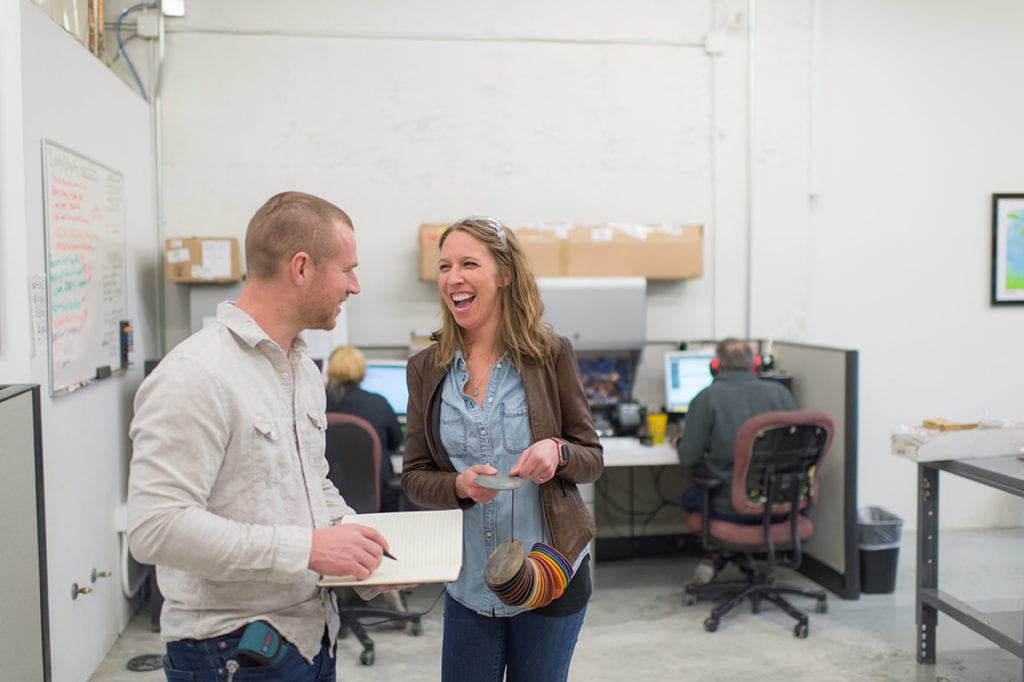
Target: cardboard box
[[202, 260], [628, 250], [430, 236], [544, 249]]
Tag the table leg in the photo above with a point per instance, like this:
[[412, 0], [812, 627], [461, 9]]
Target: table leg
[[927, 558], [632, 510]]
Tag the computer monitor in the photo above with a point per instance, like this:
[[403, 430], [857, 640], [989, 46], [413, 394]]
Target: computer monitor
[[687, 373], [387, 377], [607, 378]]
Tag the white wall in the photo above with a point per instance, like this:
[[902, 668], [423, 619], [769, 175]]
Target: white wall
[[919, 129], [70, 97], [497, 109]]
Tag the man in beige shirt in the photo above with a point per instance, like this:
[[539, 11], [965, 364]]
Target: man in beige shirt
[[227, 492]]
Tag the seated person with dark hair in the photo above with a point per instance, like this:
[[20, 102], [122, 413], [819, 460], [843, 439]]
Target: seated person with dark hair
[[345, 370], [712, 422]]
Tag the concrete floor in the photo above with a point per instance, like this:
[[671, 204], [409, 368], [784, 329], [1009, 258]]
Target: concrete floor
[[637, 627]]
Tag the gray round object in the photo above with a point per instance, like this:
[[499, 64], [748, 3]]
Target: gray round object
[[499, 481]]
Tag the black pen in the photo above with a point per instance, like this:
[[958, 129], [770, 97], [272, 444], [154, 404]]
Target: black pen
[[390, 556]]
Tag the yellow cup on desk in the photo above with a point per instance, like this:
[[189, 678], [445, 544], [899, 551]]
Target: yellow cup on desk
[[656, 424]]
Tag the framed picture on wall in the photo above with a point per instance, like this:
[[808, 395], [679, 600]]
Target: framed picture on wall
[[1007, 249]]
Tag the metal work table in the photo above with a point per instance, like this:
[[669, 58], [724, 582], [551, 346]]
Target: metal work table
[[1004, 628]]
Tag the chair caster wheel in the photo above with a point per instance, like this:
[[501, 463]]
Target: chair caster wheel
[[821, 606], [366, 658], [711, 624], [800, 630], [689, 599], [415, 628]]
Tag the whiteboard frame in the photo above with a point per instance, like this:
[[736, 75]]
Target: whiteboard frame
[[115, 369]]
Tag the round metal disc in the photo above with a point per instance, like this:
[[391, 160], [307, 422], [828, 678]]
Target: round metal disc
[[499, 481]]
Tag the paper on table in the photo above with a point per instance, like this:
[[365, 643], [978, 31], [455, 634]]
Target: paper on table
[[428, 545]]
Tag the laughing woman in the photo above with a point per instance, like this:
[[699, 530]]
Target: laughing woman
[[499, 393]]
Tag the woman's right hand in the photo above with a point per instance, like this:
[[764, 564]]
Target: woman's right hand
[[466, 487]]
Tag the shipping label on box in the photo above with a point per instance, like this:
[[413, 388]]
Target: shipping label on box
[[202, 260], [635, 250]]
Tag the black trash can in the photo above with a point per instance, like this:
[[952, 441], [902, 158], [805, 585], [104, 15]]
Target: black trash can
[[879, 541]]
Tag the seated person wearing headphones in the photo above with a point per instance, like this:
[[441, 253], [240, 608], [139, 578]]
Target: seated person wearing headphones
[[712, 422], [345, 370]]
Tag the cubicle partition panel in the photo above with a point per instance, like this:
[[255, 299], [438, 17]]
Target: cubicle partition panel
[[826, 379], [25, 627]]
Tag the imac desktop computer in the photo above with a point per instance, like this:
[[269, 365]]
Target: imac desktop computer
[[387, 377], [608, 385], [687, 373]]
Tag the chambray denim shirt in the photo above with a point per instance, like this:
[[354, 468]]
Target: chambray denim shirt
[[495, 435]]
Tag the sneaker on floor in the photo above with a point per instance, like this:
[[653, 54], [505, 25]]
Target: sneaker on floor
[[704, 573]]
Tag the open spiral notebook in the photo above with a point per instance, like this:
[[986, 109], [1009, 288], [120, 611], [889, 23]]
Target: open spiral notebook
[[427, 544]]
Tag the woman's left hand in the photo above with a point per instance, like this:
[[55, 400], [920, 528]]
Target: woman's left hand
[[538, 462]]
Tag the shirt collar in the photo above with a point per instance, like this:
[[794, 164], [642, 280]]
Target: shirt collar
[[244, 327]]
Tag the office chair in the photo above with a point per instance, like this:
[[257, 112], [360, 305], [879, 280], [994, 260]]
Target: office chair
[[776, 457], [354, 459]]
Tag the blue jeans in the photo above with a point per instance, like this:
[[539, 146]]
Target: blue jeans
[[528, 646], [206, 660]]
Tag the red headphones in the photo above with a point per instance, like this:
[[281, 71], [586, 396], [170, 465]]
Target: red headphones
[[716, 366]]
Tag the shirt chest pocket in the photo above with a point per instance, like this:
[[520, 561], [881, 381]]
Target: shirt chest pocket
[[515, 426], [454, 434], [269, 449], [314, 439]]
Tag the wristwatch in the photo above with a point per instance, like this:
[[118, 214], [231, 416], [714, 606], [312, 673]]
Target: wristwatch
[[563, 451]]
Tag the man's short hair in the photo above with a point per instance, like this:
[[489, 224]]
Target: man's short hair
[[288, 223], [734, 354]]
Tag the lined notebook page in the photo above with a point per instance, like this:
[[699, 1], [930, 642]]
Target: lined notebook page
[[428, 545]]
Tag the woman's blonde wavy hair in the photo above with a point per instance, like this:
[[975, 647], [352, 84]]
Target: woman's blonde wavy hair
[[522, 333]]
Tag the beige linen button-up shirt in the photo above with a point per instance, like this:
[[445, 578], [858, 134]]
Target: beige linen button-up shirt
[[227, 481]]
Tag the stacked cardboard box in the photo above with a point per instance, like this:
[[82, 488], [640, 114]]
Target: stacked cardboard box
[[608, 250], [202, 260]]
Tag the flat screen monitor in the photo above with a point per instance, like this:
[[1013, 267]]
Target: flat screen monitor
[[607, 379], [687, 373], [387, 377]]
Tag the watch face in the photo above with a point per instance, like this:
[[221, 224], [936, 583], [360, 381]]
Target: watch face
[[564, 451]]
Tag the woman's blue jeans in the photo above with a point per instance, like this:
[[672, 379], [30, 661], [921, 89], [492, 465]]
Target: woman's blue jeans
[[526, 647], [206, 660]]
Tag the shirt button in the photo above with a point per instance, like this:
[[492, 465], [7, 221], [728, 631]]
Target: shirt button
[[483, 432], [220, 671], [490, 400], [222, 645], [284, 375], [498, 365], [488, 533]]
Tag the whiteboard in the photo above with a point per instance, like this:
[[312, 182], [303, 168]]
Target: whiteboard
[[85, 266]]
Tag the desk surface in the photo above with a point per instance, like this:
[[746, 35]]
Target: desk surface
[[618, 452], [628, 452]]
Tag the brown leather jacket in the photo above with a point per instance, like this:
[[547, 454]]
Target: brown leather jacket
[[557, 408]]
